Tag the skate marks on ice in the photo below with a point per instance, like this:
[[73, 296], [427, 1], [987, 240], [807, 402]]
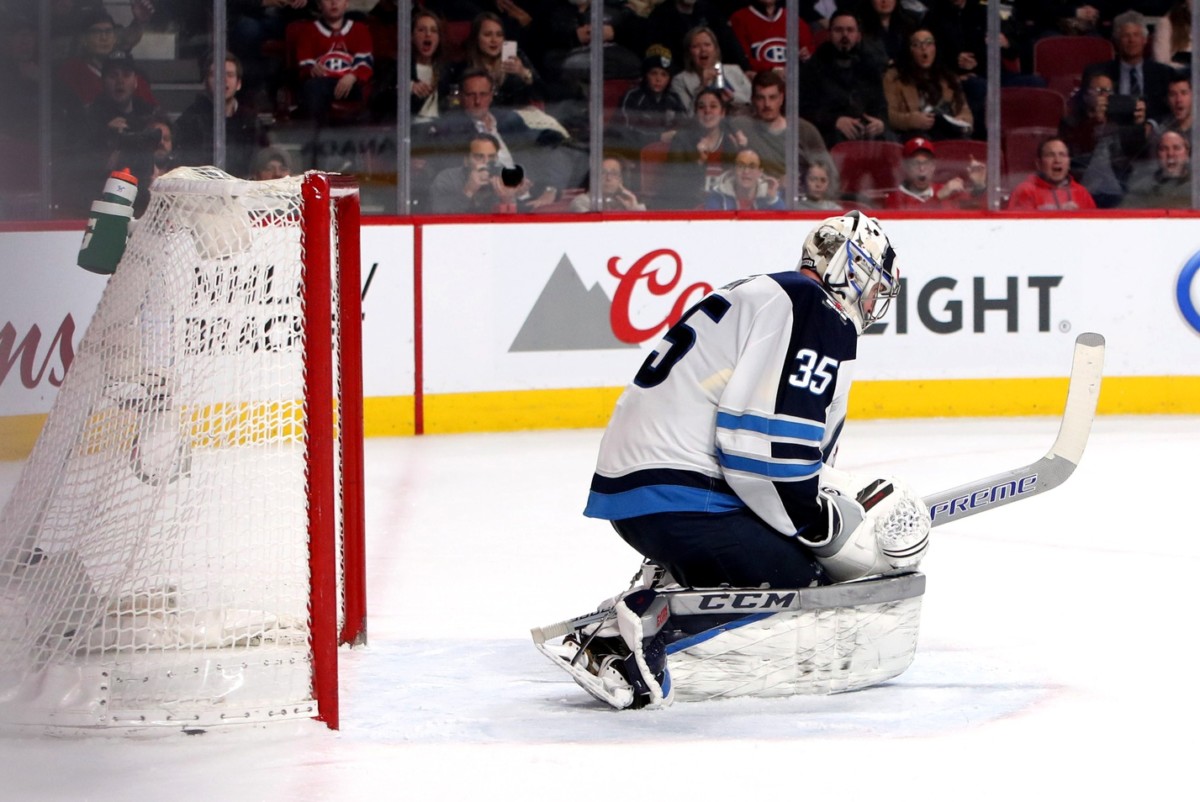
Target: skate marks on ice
[[503, 691]]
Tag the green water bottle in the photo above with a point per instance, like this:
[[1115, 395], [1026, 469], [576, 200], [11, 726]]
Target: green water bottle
[[108, 225]]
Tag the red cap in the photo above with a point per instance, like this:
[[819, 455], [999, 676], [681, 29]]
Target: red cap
[[918, 143]]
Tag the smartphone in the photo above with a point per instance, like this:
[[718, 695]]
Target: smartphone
[[508, 50]]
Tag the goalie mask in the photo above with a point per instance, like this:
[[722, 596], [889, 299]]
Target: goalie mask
[[855, 261]]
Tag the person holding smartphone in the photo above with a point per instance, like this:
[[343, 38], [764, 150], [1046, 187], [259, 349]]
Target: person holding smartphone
[[614, 196], [516, 81]]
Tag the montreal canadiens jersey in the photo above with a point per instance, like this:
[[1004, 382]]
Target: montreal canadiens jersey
[[339, 52], [765, 38], [739, 405]]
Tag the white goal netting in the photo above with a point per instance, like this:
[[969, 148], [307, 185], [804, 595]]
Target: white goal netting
[[154, 556]]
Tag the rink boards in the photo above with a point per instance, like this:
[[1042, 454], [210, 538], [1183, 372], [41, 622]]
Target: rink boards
[[531, 323]]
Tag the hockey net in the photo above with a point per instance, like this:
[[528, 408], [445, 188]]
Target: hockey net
[[184, 545]]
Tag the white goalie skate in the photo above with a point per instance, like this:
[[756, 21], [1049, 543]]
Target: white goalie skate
[[599, 677]]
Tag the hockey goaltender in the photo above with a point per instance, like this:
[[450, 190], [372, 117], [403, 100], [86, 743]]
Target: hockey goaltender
[[768, 572]]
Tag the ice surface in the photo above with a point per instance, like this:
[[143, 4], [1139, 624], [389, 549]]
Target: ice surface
[[1057, 654]]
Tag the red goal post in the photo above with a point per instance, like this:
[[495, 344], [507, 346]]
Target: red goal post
[[185, 545]]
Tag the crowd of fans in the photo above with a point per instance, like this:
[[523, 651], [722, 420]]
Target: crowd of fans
[[695, 119]]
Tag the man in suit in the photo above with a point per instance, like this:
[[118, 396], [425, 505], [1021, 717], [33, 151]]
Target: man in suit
[[1132, 74]]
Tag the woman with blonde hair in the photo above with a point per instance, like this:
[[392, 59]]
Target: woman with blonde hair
[[513, 75], [703, 69]]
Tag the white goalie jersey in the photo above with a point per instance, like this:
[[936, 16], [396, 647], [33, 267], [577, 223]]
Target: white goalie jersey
[[740, 404]]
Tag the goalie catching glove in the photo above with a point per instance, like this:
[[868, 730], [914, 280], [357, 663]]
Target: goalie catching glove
[[874, 526]]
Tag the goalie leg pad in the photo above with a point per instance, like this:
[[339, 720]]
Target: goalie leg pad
[[641, 616]]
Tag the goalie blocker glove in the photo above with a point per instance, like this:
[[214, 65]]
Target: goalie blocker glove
[[873, 527]]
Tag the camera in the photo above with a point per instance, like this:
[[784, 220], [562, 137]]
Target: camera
[[1121, 109], [139, 141], [509, 176]]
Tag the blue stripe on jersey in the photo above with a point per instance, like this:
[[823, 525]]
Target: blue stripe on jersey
[[653, 499], [771, 426], [771, 470]]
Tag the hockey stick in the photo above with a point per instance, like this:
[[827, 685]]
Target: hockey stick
[[1050, 471]]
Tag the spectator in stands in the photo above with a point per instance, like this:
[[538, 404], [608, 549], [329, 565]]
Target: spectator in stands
[[766, 131], [819, 187], [1172, 44], [519, 24], [66, 14], [1063, 17], [1106, 134], [161, 122], [704, 148], [704, 69], [113, 133], [1087, 111], [567, 41], [614, 195], [671, 21], [649, 112], [253, 24], [841, 87], [536, 150], [335, 61], [243, 133], [761, 30], [475, 187], [516, 81], [744, 187], [271, 163], [918, 190], [428, 71], [886, 27], [118, 109], [79, 76], [1051, 187], [1131, 73], [1167, 182], [1179, 101], [924, 97], [165, 158], [960, 29]]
